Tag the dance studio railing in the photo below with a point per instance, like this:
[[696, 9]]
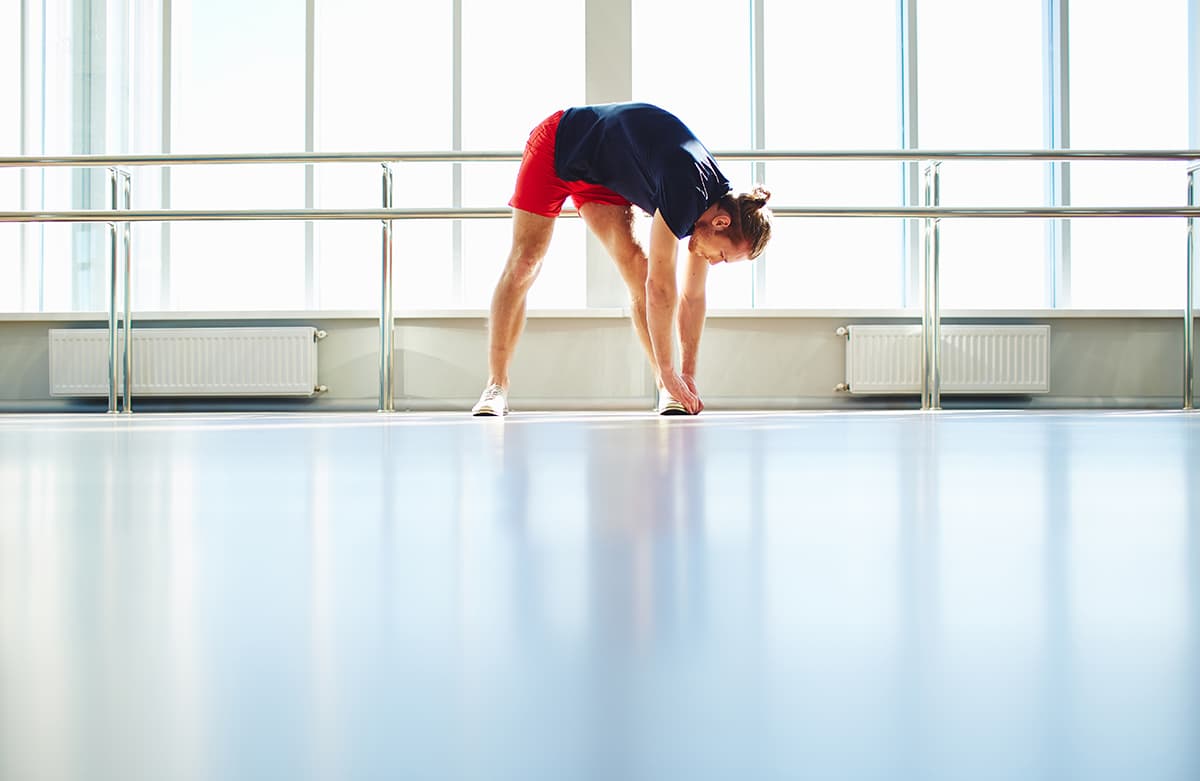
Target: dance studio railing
[[930, 214]]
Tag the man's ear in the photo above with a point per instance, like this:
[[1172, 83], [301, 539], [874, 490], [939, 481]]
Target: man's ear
[[721, 221]]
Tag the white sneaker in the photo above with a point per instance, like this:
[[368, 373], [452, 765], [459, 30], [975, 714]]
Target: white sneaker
[[667, 404], [493, 402]]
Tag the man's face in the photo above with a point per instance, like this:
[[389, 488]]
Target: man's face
[[714, 246]]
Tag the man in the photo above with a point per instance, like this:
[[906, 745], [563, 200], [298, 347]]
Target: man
[[606, 158]]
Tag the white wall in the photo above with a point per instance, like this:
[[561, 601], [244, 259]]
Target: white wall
[[568, 361]]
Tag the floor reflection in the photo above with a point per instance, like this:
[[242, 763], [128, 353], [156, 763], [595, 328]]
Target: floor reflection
[[608, 596]]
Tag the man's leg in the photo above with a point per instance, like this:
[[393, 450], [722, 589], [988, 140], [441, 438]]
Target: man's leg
[[613, 226], [531, 240]]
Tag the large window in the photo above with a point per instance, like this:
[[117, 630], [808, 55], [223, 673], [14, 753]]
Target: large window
[[237, 88], [980, 87], [362, 106], [135, 53], [696, 64], [10, 78], [10, 144], [1129, 90], [831, 83], [114, 77], [513, 78], [65, 266]]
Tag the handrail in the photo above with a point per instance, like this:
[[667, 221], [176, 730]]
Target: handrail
[[894, 155], [458, 213], [931, 214]]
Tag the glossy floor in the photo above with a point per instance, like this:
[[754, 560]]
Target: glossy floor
[[736, 596]]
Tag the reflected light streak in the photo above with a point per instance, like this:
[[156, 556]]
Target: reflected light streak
[[324, 732], [187, 705]]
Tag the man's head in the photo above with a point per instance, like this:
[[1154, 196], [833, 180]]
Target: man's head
[[737, 227]]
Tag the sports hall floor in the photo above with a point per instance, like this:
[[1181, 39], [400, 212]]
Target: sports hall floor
[[882, 595]]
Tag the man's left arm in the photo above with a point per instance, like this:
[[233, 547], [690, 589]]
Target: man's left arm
[[692, 307]]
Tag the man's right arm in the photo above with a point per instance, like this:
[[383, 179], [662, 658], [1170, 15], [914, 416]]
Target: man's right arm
[[661, 297]]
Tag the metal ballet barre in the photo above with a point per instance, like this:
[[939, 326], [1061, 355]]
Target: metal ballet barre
[[483, 213], [902, 155], [930, 214]]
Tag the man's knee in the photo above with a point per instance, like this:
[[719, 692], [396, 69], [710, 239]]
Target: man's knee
[[633, 264], [642, 263], [523, 265]]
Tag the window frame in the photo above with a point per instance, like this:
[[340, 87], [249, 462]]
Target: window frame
[[1057, 133]]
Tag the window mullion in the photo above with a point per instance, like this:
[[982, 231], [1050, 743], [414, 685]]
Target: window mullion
[[1056, 80], [167, 48], [311, 282], [758, 128], [909, 139], [457, 281]]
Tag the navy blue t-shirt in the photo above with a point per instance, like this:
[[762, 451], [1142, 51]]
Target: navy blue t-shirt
[[645, 155]]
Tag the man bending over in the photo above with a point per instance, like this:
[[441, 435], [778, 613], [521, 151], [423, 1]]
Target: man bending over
[[608, 158]]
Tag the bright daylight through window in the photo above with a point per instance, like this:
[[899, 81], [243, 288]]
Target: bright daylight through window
[[980, 87], [10, 144], [713, 100], [832, 84], [370, 76], [1129, 88]]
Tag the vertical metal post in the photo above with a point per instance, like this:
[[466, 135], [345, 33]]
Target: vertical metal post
[[931, 320], [1189, 357], [127, 403], [112, 297], [935, 377], [386, 316]]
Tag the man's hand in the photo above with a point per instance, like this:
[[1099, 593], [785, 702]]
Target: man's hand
[[690, 382], [681, 391]]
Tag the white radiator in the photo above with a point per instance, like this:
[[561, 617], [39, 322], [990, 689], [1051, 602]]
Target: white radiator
[[986, 359], [188, 361]]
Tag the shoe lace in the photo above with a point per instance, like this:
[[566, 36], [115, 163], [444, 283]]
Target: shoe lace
[[493, 392]]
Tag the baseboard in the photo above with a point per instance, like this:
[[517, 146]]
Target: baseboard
[[840, 403]]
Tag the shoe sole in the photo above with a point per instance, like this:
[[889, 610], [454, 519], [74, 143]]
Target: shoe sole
[[488, 414]]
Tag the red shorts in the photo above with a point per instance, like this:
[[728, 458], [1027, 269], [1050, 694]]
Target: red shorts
[[539, 190]]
